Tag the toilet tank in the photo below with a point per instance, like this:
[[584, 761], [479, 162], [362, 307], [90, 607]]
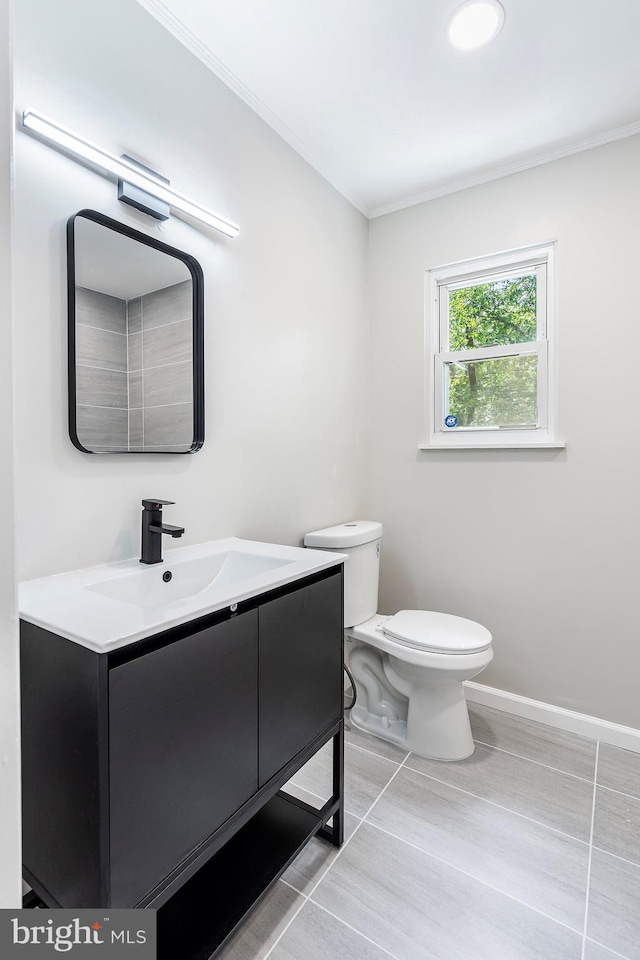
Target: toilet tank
[[360, 540]]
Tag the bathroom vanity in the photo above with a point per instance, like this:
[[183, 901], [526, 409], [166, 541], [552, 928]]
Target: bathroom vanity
[[153, 762]]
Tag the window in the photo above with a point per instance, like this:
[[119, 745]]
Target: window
[[490, 325]]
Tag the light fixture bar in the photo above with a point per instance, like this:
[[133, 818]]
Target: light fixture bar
[[87, 152], [141, 199]]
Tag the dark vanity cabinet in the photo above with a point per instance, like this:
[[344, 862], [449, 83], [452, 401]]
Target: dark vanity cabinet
[[183, 750], [152, 774], [297, 669]]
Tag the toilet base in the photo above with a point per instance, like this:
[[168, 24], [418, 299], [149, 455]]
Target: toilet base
[[395, 732], [421, 709]]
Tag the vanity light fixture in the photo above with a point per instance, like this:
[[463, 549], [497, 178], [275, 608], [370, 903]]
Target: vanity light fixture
[[475, 23], [122, 169]]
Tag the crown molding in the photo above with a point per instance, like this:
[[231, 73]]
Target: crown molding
[[506, 170], [188, 39], [159, 11]]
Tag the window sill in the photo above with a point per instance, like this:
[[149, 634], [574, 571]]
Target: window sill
[[555, 445]]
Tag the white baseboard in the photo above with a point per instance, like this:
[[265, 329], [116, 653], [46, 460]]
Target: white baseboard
[[580, 723]]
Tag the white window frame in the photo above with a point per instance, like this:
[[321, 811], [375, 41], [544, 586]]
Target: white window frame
[[538, 259]]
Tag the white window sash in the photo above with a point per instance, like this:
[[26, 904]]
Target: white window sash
[[492, 353], [522, 258], [441, 405], [444, 286], [490, 276]]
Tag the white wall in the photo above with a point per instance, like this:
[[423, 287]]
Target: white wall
[[10, 858], [285, 303], [541, 546]]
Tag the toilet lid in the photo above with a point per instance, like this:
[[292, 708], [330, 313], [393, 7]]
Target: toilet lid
[[437, 632]]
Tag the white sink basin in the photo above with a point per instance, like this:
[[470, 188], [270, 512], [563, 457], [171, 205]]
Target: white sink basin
[[145, 587], [118, 603]]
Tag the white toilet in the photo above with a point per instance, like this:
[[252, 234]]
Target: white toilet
[[409, 668]]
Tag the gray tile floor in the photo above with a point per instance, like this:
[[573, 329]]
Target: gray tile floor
[[528, 850]]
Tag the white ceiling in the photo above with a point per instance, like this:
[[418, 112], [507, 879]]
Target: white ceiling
[[373, 96], [111, 263]]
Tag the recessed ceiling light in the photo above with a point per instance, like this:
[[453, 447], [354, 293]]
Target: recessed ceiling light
[[475, 23]]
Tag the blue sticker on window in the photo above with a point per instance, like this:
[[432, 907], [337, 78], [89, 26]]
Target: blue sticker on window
[[451, 421]]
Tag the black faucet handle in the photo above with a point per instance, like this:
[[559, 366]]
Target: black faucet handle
[[156, 504]]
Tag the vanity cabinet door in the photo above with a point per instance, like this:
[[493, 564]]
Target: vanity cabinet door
[[300, 667], [182, 748]]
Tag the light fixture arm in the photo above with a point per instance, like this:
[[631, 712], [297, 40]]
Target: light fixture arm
[[119, 168]]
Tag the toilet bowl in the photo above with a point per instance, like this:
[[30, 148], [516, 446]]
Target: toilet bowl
[[430, 716], [408, 668]]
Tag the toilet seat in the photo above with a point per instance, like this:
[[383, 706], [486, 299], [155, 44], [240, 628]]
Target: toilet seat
[[436, 632]]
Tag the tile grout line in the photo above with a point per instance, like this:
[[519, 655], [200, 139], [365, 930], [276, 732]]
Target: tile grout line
[[614, 953], [288, 883], [378, 755], [92, 326], [491, 746], [360, 934], [142, 365], [621, 793], [310, 792], [99, 406], [317, 796], [126, 311], [96, 366], [323, 875], [154, 366], [500, 806], [470, 876], [593, 820], [539, 763], [370, 753], [159, 406], [162, 326], [509, 753], [616, 856]]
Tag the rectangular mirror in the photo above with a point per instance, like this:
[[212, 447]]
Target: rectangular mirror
[[136, 341]]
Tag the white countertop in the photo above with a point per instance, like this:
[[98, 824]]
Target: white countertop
[[89, 606]]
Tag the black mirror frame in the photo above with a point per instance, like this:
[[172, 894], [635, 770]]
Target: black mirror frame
[[197, 278]]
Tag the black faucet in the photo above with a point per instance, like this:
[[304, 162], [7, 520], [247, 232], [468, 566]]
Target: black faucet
[[153, 528]]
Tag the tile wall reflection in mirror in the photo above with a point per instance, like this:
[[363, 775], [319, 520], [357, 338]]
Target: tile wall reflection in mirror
[[133, 330]]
